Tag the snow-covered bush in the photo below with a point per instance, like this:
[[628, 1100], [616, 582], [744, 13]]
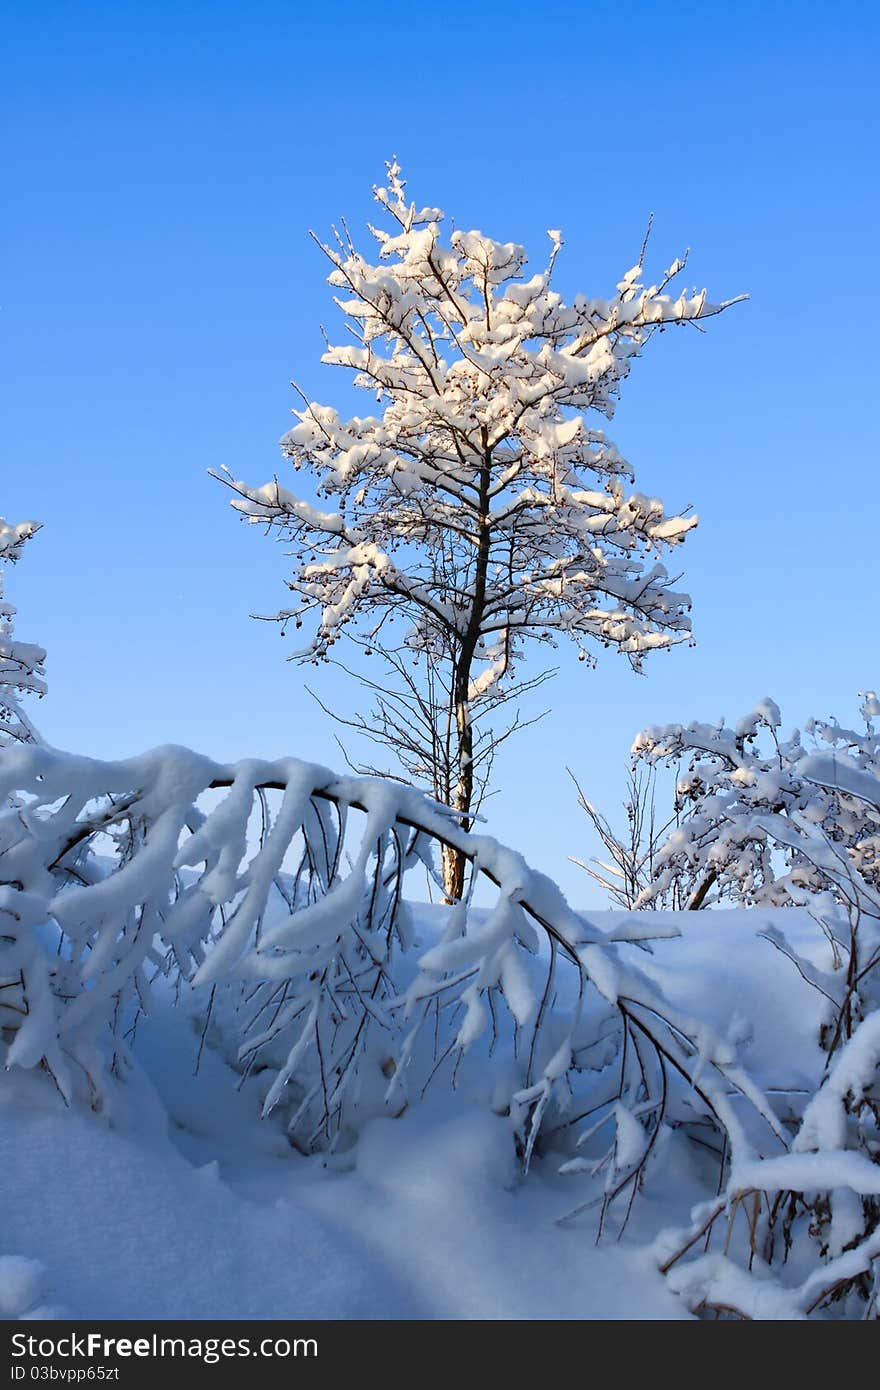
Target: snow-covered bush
[[21, 663], [273, 892], [768, 820], [251, 883], [800, 1231]]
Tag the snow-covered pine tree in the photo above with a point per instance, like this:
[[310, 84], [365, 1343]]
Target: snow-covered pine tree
[[21, 663], [478, 505]]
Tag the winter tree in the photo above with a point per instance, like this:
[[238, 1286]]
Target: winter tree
[[21, 663], [478, 509]]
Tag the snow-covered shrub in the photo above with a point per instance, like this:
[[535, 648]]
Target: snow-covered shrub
[[252, 883], [768, 820], [275, 892], [774, 821], [21, 663], [800, 1231]]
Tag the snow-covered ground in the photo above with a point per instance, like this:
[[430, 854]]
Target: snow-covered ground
[[180, 1202]]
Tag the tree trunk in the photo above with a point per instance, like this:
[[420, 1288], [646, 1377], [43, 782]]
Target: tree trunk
[[462, 798], [454, 860]]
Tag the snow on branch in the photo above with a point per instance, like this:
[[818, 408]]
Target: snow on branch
[[21, 663], [771, 819], [829, 1182], [484, 380]]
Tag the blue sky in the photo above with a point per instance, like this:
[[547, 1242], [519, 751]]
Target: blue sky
[[163, 164]]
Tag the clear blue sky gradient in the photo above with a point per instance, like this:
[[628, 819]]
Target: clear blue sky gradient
[[163, 163]]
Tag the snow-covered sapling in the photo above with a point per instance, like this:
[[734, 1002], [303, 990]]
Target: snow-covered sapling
[[478, 506]]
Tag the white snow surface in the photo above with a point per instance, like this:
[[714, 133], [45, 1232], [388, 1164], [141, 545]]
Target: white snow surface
[[186, 1206], [180, 1202]]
